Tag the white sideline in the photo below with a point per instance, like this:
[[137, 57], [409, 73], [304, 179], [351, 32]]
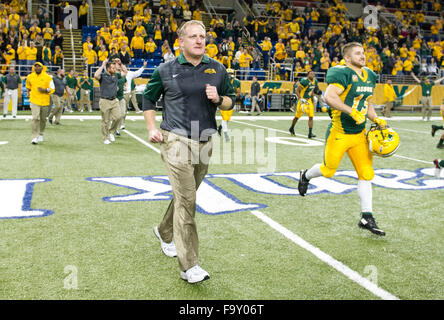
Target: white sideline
[[349, 273]]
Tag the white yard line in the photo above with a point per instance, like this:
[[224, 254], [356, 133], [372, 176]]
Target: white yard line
[[339, 266]]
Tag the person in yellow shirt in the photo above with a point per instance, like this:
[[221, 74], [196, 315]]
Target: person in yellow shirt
[[102, 54], [9, 56], [14, 19], [280, 55], [40, 86], [158, 35], [300, 54], [31, 55], [325, 61], [212, 50], [389, 98], [403, 51], [245, 61], [34, 30], [266, 47], [90, 57], [21, 56], [176, 47], [83, 13], [48, 32], [397, 68], [150, 47], [137, 45]]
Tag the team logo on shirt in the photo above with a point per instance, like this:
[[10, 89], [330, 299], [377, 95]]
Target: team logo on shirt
[[210, 71], [355, 78]]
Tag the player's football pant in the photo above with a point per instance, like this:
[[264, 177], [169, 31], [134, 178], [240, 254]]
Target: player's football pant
[[356, 146], [226, 114]]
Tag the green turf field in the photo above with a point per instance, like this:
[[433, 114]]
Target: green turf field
[[93, 239]]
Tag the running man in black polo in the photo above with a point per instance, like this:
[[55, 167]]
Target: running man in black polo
[[193, 87]]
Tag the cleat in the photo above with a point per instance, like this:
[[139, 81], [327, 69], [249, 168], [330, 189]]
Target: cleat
[[106, 141], [195, 275], [40, 139], [303, 183], [292, 131], [434, 128], [219, 130], [436, 163], [169, 249], [310, 136], [440, 146], [50, 121], [35, 141], [111, 137], [369, 223]]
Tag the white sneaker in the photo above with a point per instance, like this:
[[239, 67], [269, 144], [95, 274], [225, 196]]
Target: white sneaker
[[169, 249], [35, 141], [140, 111], [40, 139], [111, 137], [195, 274], [107, 141]]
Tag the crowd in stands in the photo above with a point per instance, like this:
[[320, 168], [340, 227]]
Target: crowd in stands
[[302, 40]]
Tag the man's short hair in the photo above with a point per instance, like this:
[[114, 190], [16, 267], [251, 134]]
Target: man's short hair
[[347, 47], [188, 23]]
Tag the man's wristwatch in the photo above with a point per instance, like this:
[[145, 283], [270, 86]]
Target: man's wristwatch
[[221, 99]]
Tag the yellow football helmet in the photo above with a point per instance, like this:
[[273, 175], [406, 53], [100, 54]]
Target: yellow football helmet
[[382, 142]]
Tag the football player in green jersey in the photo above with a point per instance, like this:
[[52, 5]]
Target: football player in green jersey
[[304, 93], [435, 128], [349, 91]]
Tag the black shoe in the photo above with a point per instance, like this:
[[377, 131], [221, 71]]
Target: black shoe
[[4, 116], [369, 223], [311, 135], [303, 183], [219, 130], [292, 131], [436, 163], [50, 121], [434, 128], [117, 133], [440, 146]]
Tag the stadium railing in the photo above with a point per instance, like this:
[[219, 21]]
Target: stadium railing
[[24, 69]]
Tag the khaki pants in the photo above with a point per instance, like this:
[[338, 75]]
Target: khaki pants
[[58, 108], [72, 98], [38, 120], [426, 102], [131, 95], [122, 108], [186, 168], [388, 107], [84, 95], [110, 112], [255, 105]]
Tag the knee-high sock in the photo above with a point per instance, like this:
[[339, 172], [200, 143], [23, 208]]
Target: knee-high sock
[[314, 172], [366, 195], [224, 125]]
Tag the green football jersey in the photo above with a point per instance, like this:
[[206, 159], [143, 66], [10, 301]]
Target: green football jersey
[[307, 87], [357, 93], [426, 88], [235, 83]]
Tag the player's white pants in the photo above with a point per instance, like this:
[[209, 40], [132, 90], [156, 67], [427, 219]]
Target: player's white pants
[[10, 94]]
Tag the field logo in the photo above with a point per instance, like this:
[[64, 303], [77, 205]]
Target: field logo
[[212, 199], [15, 199], [400, 93], [214, 195]]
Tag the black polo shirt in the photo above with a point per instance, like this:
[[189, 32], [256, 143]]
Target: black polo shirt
[[186, 108]]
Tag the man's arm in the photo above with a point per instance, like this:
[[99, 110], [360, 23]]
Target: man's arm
[[153, 133], [98, 73], [414, 77], [332, 98], [439, 80]]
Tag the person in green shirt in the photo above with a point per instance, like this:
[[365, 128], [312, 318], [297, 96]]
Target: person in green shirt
[[85, 84], [426, 98], [72, 84]]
